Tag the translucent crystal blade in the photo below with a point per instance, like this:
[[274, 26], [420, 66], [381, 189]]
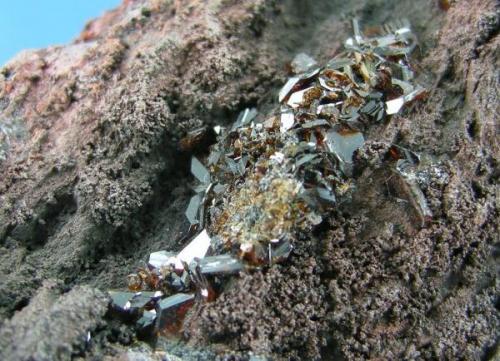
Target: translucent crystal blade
[[344, 144], [197, 248], [199, 171], [223, 264]]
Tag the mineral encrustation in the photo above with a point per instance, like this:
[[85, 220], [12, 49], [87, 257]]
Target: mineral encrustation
[[269, 178]]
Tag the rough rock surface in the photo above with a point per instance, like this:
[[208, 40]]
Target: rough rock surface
[[53, 326], [92, 179]]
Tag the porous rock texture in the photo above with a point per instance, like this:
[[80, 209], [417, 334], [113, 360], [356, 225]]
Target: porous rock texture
[[92, 179]]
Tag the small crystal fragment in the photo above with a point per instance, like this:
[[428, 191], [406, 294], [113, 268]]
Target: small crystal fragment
[[249, 115], [160, 258], [357, 33], [201, 188], [408, 188], [328, 110], [420, 201], [315, 123], [302, 63], [397, 152], [404, 34], [200, 281], [407, 87], [245, 117], [310, 74], [173, 308], [393, 50], [278, 157], [294, 81], [218, 129], [304, 97], [325, 85], [233, 166], [350, 115], [287, 88], [271, 122], [179, 283], [254, 254], [213, 157], [197, 248], [305, 159], [287, 121], [339, 63], [134, 282], [313, 141], [414, 94], [242, 165], [193, 208], [326, 194], [349, 44], [394, 106], [223, 264], [246, 247], [199, 171], [197, 139], [407, 73], [219, 188], [314, 218], [120, 301], [344, 144], [142, 299], [147, 320], [369, 107], [297, 98], [237, 167], [282, 252]]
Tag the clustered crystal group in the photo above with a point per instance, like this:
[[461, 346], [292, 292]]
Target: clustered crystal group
[[269, 178]]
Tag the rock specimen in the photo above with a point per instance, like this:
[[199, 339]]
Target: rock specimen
[[97, 139]]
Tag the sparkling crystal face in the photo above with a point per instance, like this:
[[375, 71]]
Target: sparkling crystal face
[[197, 248], [171, 310], [343, 144], [302, 63]]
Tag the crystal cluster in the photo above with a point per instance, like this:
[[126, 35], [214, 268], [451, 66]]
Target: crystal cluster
[[270, 178]]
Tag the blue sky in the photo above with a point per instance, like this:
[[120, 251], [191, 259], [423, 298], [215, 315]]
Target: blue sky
[[27, 24]]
